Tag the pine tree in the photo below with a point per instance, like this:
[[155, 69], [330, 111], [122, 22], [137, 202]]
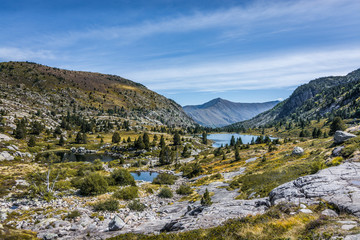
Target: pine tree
[[232, 141], [32, 142], [79, 138], [237, 155], [176, 139], [116, 137], [162, 142], [206, 199], [204, 138], [61, 141], [337, 124], [146, 141], [20, 131]]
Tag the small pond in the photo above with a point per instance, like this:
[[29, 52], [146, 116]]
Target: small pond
[[144, 176], [224, 138]]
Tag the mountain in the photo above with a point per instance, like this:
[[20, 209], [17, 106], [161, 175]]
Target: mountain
[[322, 97], [58, 90], [220, 112]]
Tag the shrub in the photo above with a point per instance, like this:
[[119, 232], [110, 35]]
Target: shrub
[[97, 165], [165, 178], [348, 151], [110, 205], [123, 177], [127, 193], [93, 184], [165, 193], [206, 199], [192, 170], [184, 190], [336, 161], [74, 214], [136, 205]]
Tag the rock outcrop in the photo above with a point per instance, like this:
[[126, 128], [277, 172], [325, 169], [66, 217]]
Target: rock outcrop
[[338, 185], [116, 224], [298, 151], [341, 136]]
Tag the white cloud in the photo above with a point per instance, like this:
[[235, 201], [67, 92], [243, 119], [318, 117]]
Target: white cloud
[[19, 54], [291, 14], [280, 71]]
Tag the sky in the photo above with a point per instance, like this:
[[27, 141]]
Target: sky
[[189, 51]]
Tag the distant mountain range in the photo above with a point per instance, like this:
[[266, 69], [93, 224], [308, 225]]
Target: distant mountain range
[[322, 97], [220, 112]]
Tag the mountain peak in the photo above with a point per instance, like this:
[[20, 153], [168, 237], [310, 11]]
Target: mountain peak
[[220, 112]]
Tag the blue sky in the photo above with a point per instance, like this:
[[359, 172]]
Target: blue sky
[[189, 51]]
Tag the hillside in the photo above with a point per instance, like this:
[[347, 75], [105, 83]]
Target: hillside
[[60, 90], [220, 112], [322, 97]]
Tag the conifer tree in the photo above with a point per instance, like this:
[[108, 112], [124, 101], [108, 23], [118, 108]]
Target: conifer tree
[[32, 141], [116, 137], [206, 199]]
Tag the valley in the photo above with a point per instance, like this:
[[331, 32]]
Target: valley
[[72, 142]]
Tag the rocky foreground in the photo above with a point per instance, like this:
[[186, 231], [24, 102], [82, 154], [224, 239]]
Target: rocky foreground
[[339, 185]]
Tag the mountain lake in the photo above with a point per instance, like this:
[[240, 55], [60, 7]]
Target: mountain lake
[[224, 138]]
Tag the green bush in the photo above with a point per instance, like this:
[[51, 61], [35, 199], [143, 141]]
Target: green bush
[[93, 184], [74, 214], [184, 190], [192, 170], [165, 193], [110, 205], [127, 193], [123, 177], [165, 178], [98, 165], [348, 151], [136, 205], [206, 199]]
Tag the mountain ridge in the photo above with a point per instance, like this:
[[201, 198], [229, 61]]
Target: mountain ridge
[[321, 97], [220, 112], [89, 91]]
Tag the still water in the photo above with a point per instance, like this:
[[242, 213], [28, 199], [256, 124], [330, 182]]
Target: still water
[[224, 138], [144, 176]]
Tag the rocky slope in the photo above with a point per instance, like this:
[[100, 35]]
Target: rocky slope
[[220, 112], [41, 87], [334, 95]]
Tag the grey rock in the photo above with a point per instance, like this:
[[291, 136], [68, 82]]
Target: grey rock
[[329, 213], [172, 226], [48, 236], [6, 156], [116, 224], [309, 189], [347, 227], [298, 151], [341, 136], [352, 237], [305, 210], [336, 152]]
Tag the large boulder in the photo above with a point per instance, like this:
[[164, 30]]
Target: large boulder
[[116, 224], [341, 136], [6, 156], [298, 151], [337, 151], [172, 226], [339, 185]]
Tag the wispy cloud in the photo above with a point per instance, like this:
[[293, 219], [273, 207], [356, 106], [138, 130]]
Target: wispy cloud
[[279, 71], [247, 19], [19, 54]]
